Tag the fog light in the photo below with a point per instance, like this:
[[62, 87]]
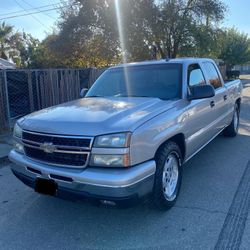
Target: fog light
[[18, 147], [109, 203]]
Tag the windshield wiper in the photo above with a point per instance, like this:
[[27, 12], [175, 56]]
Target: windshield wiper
[[91, 96], [133, 96]]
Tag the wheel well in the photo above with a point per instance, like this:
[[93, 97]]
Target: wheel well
[[179, 139], [238, 101]]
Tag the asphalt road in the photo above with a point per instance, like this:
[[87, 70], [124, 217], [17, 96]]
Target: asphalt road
[[211, 212]]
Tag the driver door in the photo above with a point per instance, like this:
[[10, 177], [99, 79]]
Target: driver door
[[201, 114]]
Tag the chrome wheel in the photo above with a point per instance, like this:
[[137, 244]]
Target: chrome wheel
[[170, 177]]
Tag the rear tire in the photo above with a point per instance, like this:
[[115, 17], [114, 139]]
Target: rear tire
[[232, 129], [168, 176]]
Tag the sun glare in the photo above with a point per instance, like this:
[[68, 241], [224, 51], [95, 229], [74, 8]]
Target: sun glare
[[120, 30], [122, 41]]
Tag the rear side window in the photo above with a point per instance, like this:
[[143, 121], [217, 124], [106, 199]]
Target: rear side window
[[195, 75], [213, 76]]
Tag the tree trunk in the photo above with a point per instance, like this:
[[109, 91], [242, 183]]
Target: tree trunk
[[163, 56]]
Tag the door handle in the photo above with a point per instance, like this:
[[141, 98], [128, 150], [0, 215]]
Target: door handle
[[212, 104], [225, 97]]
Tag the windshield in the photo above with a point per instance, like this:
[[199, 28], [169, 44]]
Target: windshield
[[160, 81]]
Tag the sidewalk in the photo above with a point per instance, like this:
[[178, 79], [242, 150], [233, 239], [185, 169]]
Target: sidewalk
[[5, 147], [245, 79]]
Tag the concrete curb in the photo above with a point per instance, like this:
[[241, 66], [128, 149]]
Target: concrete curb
[[4, 160], [5, 147]]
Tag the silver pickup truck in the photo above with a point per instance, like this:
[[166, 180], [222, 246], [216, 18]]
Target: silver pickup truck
[[130, 135]]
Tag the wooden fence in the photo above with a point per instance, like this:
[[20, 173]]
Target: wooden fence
[[25, 91]]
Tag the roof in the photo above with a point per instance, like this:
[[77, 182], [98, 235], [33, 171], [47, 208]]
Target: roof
[[4, 64], [186, 60]]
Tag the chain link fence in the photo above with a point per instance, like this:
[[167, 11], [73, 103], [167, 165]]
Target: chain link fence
[[4, 112], [25, 91]]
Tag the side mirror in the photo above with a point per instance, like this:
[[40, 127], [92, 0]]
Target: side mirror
[[201, 91], [83, 92]]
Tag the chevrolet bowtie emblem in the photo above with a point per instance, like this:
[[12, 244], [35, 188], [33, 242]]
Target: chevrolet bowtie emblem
[[48, 147]]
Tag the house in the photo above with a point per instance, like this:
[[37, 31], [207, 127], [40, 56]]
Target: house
[[244, 69], [4, 64]]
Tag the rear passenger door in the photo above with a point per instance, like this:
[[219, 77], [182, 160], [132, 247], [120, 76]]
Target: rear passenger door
[[221, 100]]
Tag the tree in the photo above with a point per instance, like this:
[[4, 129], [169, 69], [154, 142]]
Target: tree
[[235, 47], [45, 54], [179, 22], [27, 48], [131, 27], [16, 46], [87, 22], [22, 48], [8, 40], [203, 43], [83, 24], [100, 33], [138, 19]]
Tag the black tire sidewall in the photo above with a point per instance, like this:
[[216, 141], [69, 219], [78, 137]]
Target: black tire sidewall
[[230, 131], [161, 156]]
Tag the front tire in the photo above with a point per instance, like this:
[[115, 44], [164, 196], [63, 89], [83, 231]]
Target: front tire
[[232, 129], [168, 176]]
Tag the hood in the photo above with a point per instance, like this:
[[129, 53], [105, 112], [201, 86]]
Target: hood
[[95, 116]]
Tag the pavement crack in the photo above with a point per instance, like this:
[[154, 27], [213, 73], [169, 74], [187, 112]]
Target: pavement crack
[[234, 225]]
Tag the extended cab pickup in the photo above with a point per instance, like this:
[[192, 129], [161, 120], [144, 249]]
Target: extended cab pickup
[[131, 133]]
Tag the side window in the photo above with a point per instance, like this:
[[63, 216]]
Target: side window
[[213, 76], [195, 75]]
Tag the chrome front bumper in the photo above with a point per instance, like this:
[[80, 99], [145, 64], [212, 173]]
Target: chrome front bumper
[[100, 183]]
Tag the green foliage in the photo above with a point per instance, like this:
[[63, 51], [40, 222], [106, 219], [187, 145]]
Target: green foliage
[[8, 41], [46, 54], [235, 47], [16, 46], [203, 43], [185, 24], [88, 22], [27, 47], [172, 27], [93, 33]]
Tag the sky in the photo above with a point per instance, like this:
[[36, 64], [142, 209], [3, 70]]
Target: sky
[[38, 24], [238, 15], [41, 24]]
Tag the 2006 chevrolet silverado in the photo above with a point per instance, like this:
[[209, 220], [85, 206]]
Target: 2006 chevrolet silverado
[[131, 133]]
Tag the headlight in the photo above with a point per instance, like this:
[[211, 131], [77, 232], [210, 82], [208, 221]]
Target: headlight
[[110, 160], [120, 140], [17, 132]]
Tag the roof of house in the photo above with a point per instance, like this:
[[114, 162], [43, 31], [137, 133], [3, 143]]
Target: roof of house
[[4, 64]]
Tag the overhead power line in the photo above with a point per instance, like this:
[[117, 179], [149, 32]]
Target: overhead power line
[[30, 9], [35, 18], [31, 13], [24, 1]]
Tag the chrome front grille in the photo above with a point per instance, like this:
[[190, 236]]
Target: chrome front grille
[[60, 150]]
